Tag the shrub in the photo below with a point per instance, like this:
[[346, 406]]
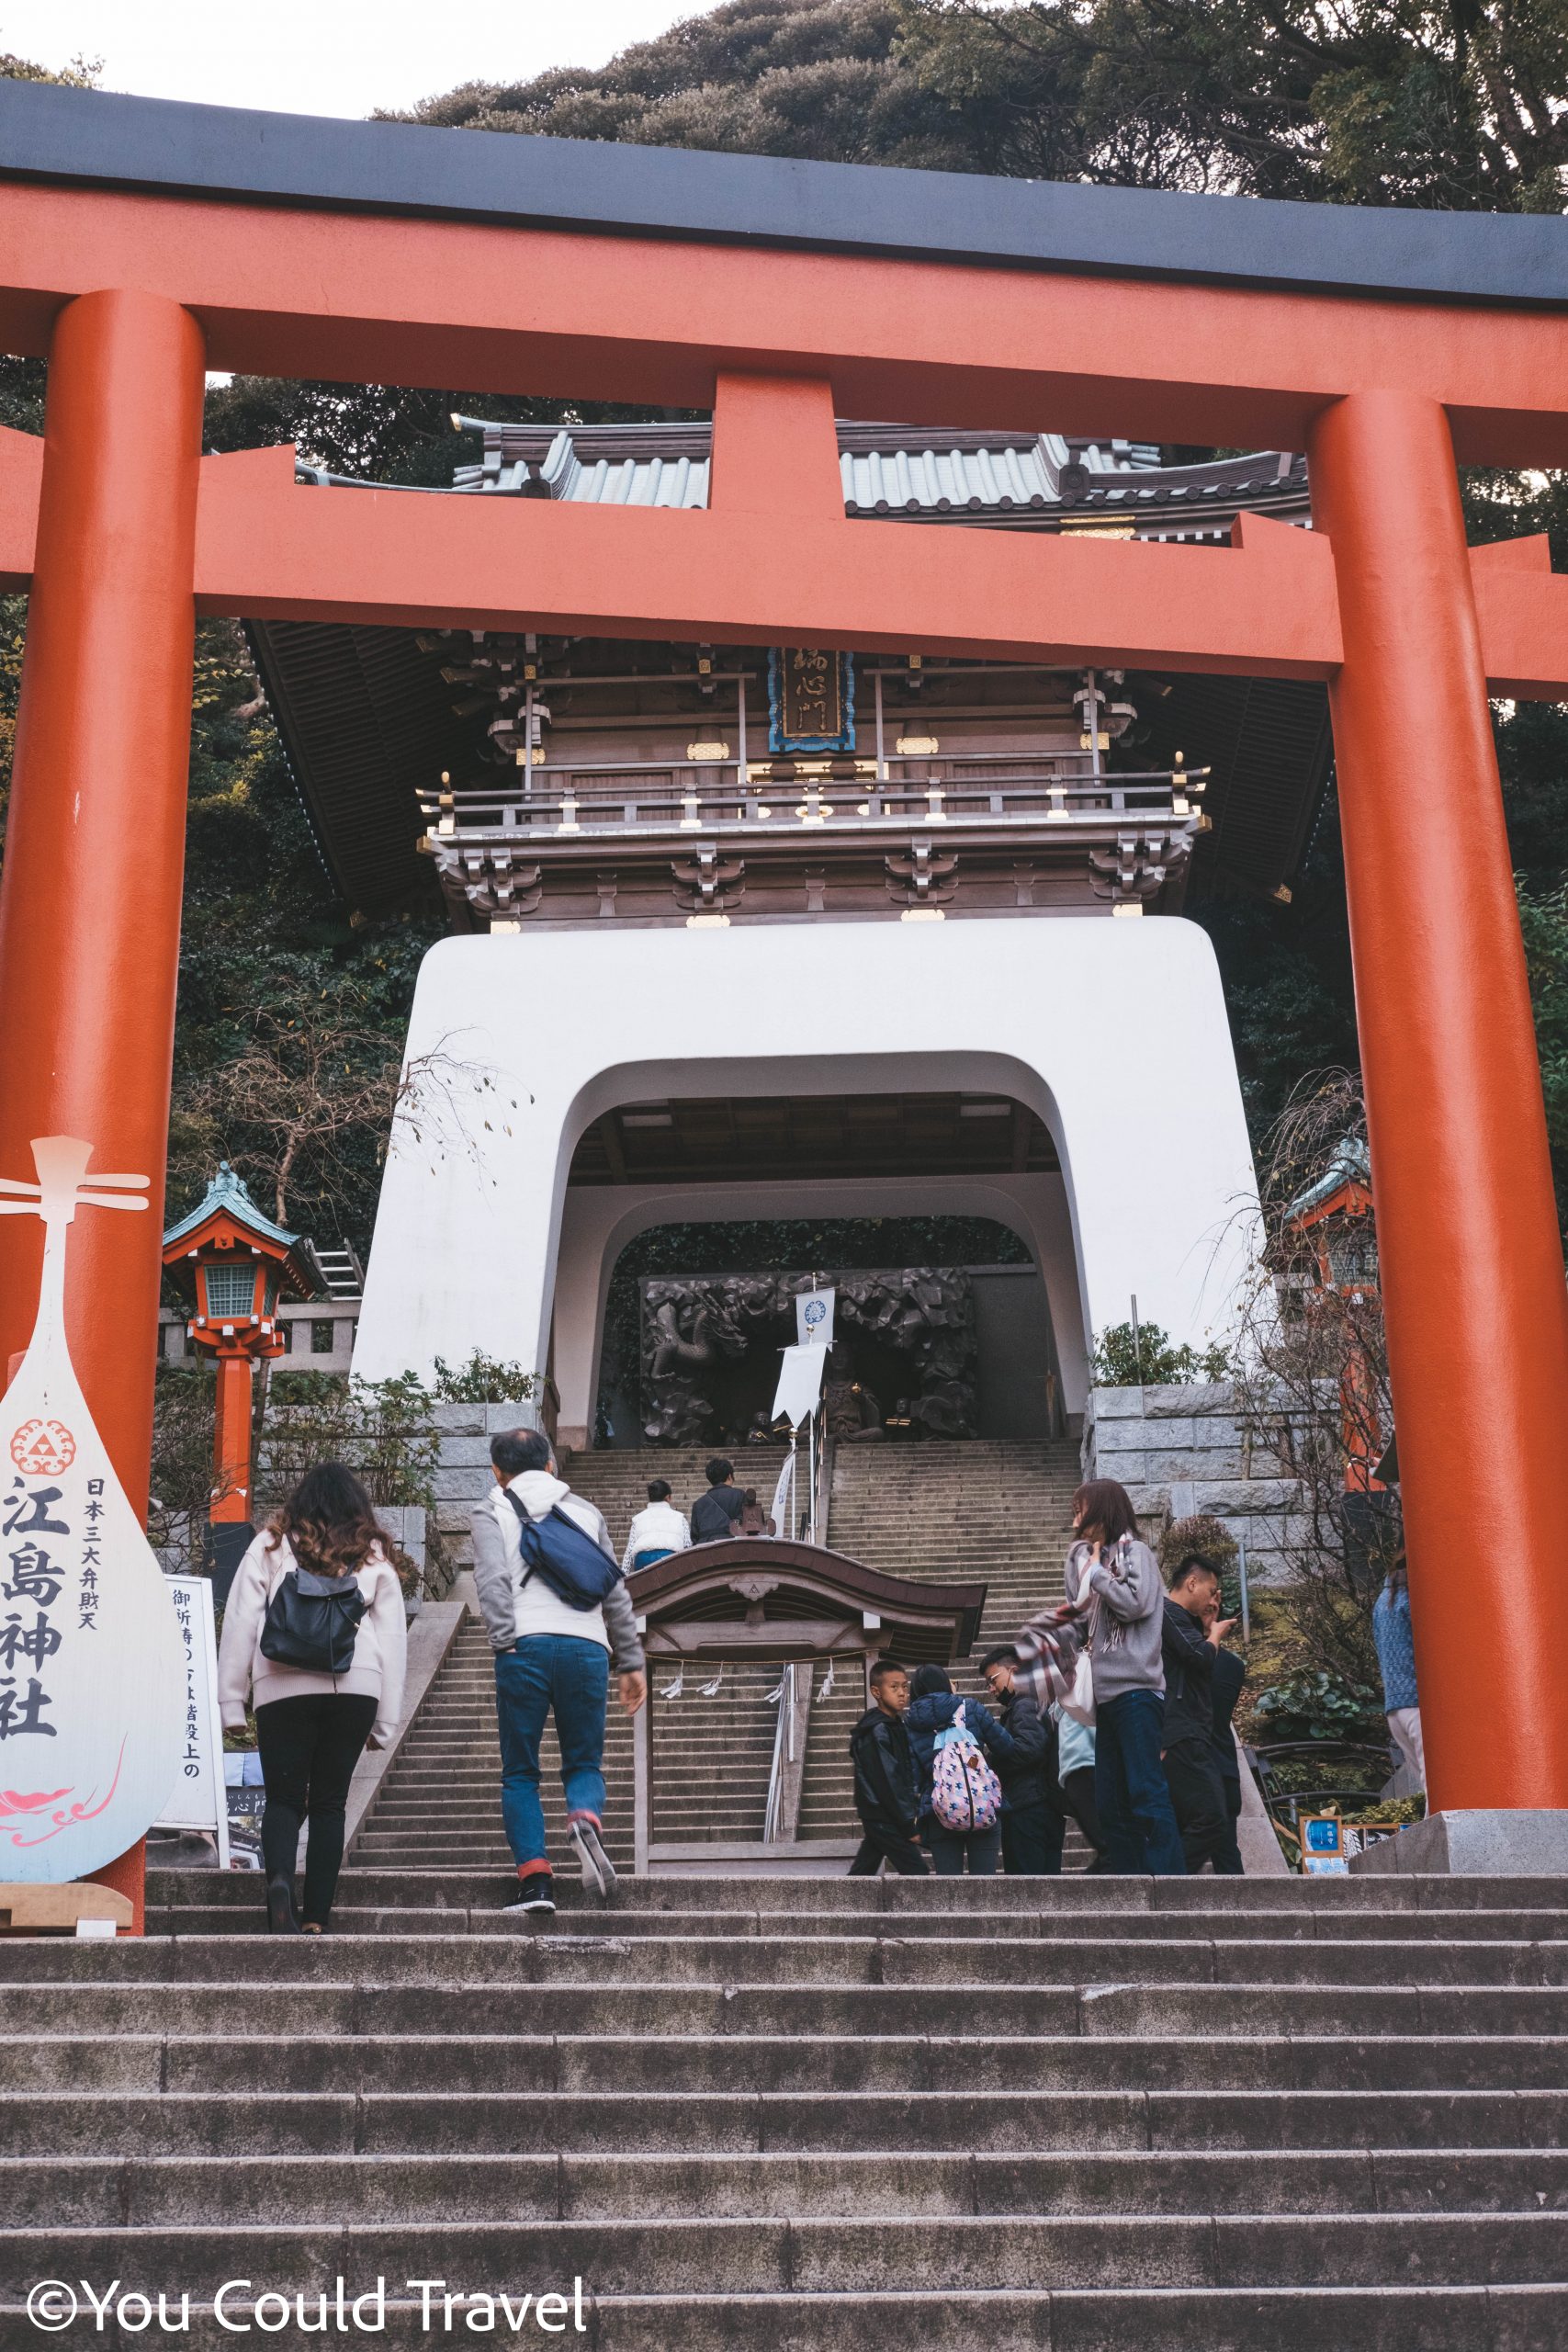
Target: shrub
[[483, 1380], [1146, 1357], [1321, 1705]]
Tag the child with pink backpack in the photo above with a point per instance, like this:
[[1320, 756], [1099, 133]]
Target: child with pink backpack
[[956, 1743]]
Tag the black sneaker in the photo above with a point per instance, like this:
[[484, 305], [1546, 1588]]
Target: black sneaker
[[598, 1871], [281, 1917], [537, 1894]]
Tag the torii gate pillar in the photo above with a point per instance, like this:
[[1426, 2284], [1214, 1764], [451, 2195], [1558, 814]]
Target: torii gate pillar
[[94, 845], [1478, 1323]]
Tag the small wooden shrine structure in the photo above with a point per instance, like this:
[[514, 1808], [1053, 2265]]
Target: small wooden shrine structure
[[769, 1597]]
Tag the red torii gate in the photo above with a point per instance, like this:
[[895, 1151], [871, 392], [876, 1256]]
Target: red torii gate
[[142, 243]]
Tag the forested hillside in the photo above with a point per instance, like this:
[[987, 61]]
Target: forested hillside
[[292, 1005]]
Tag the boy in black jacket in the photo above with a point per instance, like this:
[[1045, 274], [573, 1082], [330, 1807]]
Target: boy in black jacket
[[886, 1789]]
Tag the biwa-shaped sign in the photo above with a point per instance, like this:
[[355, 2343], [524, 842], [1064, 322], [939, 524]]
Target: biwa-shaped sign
[[91, 1686]]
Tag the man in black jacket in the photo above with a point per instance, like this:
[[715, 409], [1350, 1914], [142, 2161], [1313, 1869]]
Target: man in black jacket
[[1190, 1640], [1033, 1821], [887, 1796]]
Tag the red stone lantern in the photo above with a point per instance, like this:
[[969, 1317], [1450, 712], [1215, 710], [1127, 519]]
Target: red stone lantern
[[235, 1263]]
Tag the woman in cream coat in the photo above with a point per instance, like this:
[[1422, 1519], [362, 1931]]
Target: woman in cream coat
[[312, 1728]]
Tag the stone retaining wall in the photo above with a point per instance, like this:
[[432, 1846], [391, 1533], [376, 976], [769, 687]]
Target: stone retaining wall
[[463, 1471], [1181, 1449]]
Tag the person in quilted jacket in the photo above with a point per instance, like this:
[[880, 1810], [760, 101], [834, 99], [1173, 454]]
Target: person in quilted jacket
[[934, 1707]]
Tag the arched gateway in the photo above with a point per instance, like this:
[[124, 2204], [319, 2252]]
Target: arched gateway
[[145, 244]]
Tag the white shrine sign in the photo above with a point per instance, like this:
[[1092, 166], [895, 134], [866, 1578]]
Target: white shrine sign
[[92, 1675]]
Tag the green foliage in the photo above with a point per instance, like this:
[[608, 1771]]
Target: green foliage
[[1317, 1704], [1367, 102], [1126, 1358], [1545, 920], [268, 948], [483, 1380], [823, 79], [381, 1429]]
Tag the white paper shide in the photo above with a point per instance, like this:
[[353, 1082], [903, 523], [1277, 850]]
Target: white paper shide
[[91, 1667]]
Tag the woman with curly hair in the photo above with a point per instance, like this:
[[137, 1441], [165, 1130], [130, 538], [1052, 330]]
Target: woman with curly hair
[[316, 1580]]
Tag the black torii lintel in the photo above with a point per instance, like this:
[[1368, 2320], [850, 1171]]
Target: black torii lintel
[[99, 138]]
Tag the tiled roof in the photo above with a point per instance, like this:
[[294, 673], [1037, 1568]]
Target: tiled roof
[[228, 1191], [1351, 1164], [885, 469]]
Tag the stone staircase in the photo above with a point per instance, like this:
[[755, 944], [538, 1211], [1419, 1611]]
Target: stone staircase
[[440, 1802], [1074, 2116], [996, 1512], [993, 1512]]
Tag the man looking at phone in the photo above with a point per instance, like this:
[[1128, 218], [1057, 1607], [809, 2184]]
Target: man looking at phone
[[1190, 1643]]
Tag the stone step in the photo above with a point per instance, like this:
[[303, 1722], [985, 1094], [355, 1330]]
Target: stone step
[[810, 2256], [927, 2000], [641, 1951], [1389, 2318], [1315, 1905], [1409, 2125], [647, 2062], [119, 2191]]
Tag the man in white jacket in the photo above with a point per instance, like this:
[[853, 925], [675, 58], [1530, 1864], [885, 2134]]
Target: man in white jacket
[[656, 1532], [549, 1657]]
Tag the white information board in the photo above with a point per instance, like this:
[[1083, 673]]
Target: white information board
[[198, 1799]]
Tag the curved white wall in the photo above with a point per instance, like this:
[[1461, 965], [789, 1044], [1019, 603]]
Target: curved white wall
[[1115, 1033]]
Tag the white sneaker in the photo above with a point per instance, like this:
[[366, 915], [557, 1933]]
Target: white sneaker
[[598, 1871]]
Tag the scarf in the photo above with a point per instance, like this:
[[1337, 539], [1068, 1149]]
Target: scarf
[[1106, 1631]]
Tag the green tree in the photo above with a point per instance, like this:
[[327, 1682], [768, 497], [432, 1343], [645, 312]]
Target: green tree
[[823, 79], [1455, 106]]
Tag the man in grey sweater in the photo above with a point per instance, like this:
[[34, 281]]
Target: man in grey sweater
[[549, 1657], [1114, 1590]]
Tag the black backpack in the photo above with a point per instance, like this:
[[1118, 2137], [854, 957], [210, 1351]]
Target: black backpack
[[312, 1622], [571, 1563]]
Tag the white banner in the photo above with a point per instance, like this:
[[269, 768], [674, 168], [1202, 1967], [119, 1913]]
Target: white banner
[[91, 1678], [814, 1317], [800, 1383], [784, 1498], [198, 1799]]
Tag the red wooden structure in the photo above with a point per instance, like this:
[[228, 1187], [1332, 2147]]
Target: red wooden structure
[[233, 1263], [142, 244]]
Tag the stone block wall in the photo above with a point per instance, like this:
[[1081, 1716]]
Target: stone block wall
[[463, 1473], [1181, 1449]]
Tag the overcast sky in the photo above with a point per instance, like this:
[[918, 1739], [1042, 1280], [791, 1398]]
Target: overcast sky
[[323, 56]]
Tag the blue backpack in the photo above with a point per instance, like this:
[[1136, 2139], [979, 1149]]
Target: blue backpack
[[569, 1561]]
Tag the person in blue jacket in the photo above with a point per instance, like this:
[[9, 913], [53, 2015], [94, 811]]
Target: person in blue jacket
[[1396, 1663], [934, 1707]]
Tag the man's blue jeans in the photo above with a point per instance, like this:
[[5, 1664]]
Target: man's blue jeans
[[1137, 1820], [541, 1673]]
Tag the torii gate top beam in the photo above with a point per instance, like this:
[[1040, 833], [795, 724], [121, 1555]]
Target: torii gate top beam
[[778, 293], [382, 253]]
